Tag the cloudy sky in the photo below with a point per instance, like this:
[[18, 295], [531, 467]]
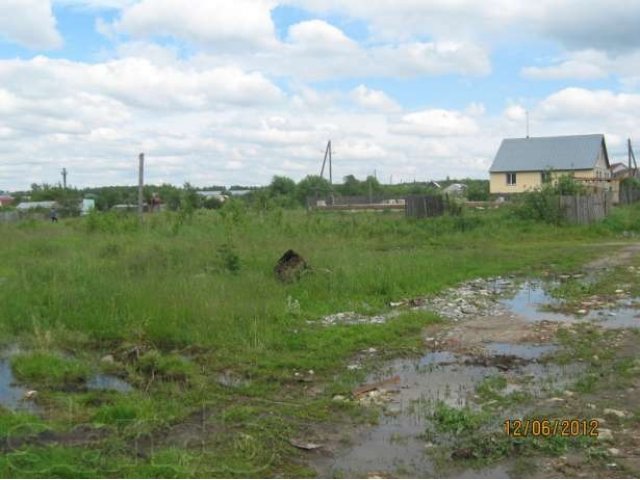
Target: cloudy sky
[[236, 91]]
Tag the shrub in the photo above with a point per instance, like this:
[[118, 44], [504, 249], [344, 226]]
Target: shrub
[[544, 204]]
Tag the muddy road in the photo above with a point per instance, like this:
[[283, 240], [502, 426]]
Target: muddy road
[[557, 348]]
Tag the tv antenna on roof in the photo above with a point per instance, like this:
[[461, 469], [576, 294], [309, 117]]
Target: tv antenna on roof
[[527, 112]]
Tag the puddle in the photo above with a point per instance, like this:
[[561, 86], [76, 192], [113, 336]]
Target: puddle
[[526, 351], [529, 299], [395, 445], [532, 296], [109, 382], [617, 319], [501, 470], [232, 380], [11, 395]]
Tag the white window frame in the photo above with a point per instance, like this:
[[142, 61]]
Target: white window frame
[[512, 178]]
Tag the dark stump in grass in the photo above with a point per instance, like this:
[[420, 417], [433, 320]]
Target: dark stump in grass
[[290, 266]]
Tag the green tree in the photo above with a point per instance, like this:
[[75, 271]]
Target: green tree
[[282, 186], [312, 186], [351, 186]]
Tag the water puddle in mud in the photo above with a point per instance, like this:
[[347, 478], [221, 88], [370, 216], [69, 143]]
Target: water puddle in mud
[[621, 318], [526, 351], [396, 444], [108, 382], [12, 396], [531, 297]]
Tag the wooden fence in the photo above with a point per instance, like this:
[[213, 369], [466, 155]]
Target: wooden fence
[[586, 208], [9, 216], [628, 195], [423, 206]]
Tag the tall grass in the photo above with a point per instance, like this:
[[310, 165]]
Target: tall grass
[[108, 279]]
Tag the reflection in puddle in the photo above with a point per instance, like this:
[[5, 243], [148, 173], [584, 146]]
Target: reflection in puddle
[[12, 395], [109, 382], [532, 296], [529, 299], [622, 318], [526, 351]]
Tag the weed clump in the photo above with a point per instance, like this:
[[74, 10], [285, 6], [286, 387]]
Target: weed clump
[[49, 370], [228, 259], [170, 367]]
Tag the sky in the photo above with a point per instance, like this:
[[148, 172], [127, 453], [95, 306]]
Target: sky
[[224, 92]]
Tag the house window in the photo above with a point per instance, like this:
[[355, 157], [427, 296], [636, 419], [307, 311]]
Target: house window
[[545, 176], [511, 178]]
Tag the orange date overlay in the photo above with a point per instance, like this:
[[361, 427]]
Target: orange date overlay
[[533, 427]]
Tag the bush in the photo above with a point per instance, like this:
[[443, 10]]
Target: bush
[[544, 204], [228, 259]]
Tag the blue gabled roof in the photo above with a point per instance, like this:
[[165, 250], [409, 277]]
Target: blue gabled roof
[[574, 152]]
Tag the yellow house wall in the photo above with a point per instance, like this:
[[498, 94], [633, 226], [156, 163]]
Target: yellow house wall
[[524, 181], [529, 180]]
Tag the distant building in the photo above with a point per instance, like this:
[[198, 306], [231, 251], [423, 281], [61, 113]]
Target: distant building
[[24, 206], [523, 164], [456, 189], [214, 194], [87, 205], [433, 184], [128, 207], [620, 170], [5, 200], [239, 193]]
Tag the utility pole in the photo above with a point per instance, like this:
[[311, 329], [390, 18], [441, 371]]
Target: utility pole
[[327, 154], [64, 178], [140, 186], [632, 158]]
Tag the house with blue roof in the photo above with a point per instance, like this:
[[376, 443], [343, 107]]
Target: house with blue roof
[[523, 164]]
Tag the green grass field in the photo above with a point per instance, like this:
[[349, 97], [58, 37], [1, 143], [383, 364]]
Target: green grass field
[[185, 298]]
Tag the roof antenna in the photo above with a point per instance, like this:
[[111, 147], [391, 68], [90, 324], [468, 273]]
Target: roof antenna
[[527, 112]]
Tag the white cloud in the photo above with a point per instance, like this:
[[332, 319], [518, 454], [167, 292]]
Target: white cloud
[[568, 69], [317, 36], [373, 99], [587, 65], [573, 111], [602, 24], [316, 50], [436, 122], [220, 24], [29, 23], [95, 4], [592, 105], [139, 82]]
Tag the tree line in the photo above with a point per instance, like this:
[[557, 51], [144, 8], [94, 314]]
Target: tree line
[[282, 191]]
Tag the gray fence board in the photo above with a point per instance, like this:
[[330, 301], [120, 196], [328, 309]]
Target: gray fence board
[[423, 206], [628, 195], [586, 209]]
